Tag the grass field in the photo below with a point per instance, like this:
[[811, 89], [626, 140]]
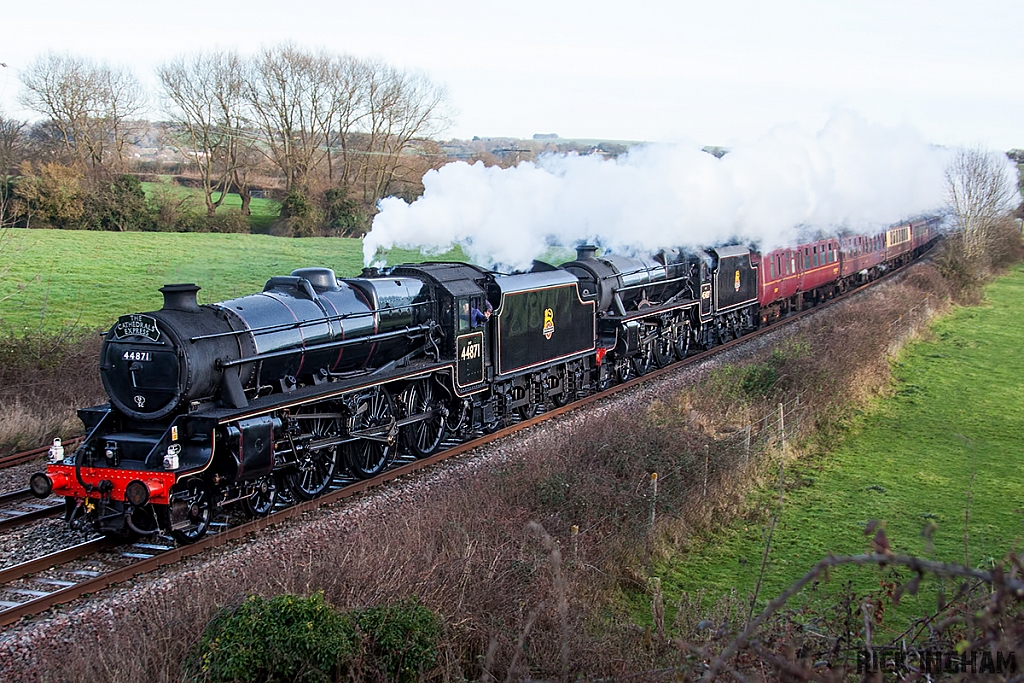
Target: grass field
[[89, 278], [263, 211], [951, 433]]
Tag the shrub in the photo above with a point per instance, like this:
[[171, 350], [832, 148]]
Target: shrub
[[401, 640], [759, 379], [119, 204], [344, 216], [174, 213], [1003, 243], [285, 638], [54, 198], [291, 638], [959, 270], [230, 221], [301, 217], [37, 400]]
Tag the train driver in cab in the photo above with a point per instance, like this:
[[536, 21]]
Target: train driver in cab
[[478, 317]]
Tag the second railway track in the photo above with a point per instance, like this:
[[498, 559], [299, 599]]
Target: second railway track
[[18, 508], [28, 456]]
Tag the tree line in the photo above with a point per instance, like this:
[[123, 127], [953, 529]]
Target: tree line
[[334, 133]]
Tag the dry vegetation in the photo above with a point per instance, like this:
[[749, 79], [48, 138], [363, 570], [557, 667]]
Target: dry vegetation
[[44, 378]]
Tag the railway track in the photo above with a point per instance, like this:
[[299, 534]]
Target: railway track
[[38, 585], [21, 507], [28, 456]]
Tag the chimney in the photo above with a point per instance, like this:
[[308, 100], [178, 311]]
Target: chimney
[[180, 298], [585, 252]]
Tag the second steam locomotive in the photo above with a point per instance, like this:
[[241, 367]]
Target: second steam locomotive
[[238, 401]]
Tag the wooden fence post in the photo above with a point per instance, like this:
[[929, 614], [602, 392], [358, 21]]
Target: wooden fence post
[[782, 425], [746, 452], [706, 461], [654, 499]]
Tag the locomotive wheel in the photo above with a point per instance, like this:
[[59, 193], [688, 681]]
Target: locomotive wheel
[[197, 499], [264, 497], [314, 467], [625, 369], [571, 379], [424, 437], [528, 411], [663, 349], [367, 458], [646, 360], [682, 343], [532, 408]]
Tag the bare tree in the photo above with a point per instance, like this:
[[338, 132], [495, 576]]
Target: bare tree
[[980, 190], [204, 98], [59, 86], [95, 108], [401, 108], [356, 117], [349, 77], [13, 144], [290, 93], [121, 104]]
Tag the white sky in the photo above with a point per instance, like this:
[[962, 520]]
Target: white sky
[[714, 71]]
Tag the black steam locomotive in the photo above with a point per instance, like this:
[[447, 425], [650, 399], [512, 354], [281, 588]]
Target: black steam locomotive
[[236, 401]]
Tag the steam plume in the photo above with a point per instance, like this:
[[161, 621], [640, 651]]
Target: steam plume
[[850, 174]]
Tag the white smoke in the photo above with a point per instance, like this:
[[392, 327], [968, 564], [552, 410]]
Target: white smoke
[[850, 174]]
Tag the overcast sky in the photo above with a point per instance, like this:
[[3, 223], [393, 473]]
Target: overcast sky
[[715, 72]]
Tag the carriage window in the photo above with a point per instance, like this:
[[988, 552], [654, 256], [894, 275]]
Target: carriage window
[[773, 270], [807, 258]]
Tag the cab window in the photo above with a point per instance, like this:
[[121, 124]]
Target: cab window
[[471, 313], [463, 315]]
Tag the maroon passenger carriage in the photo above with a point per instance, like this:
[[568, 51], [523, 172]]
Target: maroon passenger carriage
[[796, 277]]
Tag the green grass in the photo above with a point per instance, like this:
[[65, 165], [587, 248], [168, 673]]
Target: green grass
[[263, 211], [89, 278], [953, 428]]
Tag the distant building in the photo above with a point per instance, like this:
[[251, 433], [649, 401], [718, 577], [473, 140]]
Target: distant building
[[545, 136]]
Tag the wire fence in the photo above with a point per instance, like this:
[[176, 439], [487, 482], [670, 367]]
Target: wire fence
[[773, 430], [911, 318]]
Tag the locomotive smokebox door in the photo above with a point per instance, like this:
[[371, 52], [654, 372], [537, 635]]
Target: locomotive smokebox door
[[470, 343]]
